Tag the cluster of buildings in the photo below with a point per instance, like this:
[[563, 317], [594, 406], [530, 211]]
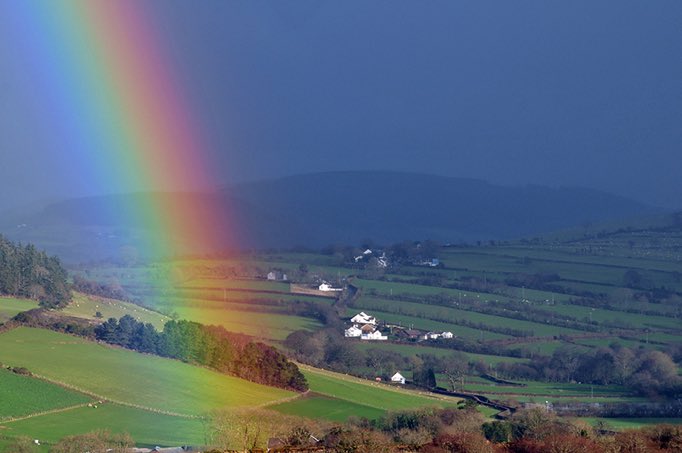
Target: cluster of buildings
[[364, 327], [414, 335]]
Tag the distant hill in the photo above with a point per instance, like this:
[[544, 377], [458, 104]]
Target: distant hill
[[346, 207], [339, 207]]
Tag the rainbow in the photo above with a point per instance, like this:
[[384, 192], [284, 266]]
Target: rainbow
[[113, 97]]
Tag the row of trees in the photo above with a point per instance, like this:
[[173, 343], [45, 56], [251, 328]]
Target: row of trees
[[646, 372], [31, 273], [450, 430], [111, 290], [209, 346]]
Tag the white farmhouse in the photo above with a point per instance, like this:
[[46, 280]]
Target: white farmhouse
[[432, 336], [398, 378], [352, 332], [327, 287], [447, 335], [363, 318], [376, 335]]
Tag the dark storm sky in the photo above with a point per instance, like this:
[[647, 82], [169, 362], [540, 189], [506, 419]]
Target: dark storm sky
[[576, 93]]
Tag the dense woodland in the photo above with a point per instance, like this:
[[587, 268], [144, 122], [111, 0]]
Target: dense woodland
[[210, 346], [28, 272]]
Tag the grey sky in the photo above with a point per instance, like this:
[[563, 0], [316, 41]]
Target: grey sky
[[579, 93]]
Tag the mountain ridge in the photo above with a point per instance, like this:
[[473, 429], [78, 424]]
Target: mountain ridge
[[318, 209]]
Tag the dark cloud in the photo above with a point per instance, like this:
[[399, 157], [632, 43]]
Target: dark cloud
[[581, 93]]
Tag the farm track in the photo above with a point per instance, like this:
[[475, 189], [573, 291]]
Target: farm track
[[39, 414]]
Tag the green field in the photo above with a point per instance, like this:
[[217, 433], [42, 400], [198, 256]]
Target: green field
[[128, 377], [319, 406], [10, 307], [410, 350], [146, 428], [86, 306], [632, 423], [23, 395], [271, 326], [380, 396], [437, 312], [547, 388]]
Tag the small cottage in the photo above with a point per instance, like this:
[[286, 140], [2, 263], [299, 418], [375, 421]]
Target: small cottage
[[398, 378]]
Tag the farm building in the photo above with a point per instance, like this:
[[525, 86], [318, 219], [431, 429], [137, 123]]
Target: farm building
[[352, 332], [398, 378], [436, 335], [376, 335], [324, 286], [412, 334], [363, 318], [277, 276]]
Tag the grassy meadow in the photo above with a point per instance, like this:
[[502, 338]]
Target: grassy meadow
[[148, 429], [23, 395], [128, 377], [10, 307], [87, 306]]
